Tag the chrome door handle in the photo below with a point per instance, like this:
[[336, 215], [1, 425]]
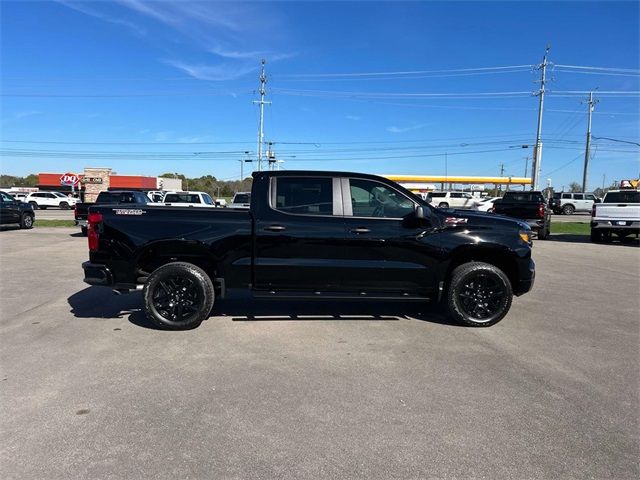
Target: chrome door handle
[[275, 228], [360, 230]]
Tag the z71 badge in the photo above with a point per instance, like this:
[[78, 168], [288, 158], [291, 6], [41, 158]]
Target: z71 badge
[[127, 211]]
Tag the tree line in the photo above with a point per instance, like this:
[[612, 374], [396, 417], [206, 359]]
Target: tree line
[[211, 185]]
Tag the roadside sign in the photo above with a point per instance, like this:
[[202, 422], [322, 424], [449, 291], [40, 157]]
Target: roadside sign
[[70, 179]]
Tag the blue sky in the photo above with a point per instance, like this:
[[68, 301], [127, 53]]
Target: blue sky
[[151, 87]]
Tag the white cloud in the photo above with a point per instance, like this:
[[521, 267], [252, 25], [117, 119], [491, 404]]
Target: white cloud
[[226, 30], [355, 118], [394, 129], [82, 7], [25, 114], [222, 71]]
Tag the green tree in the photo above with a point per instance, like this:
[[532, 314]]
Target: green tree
[[575, 187]]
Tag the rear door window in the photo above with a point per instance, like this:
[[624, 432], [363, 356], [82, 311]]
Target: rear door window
[[304, 195]]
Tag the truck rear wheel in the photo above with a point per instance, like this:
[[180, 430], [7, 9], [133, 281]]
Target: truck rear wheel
[[178, 296], [479, 294], [596, 235]]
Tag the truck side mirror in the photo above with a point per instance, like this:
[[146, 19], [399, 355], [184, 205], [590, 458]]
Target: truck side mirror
[[419, 213]]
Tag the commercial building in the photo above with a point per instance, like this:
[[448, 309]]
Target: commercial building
[[94, 180]]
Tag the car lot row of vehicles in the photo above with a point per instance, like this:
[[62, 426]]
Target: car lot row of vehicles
[[566, 203]]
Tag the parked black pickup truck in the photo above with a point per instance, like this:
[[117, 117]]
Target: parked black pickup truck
[[14, 211], [530, 207], [312, 235], [115, 197]]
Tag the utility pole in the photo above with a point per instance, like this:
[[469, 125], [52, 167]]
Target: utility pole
[[501, 173], [537, 153], [591, 103], [526, 168], [262, 103]]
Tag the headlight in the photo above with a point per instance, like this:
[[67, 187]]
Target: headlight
[[525, 235]]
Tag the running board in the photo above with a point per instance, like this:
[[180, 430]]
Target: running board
[[405, 297]]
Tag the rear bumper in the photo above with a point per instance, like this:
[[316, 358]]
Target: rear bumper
[[599, 223], [535, 223], [96, 274], [81, 223], [527, 277]]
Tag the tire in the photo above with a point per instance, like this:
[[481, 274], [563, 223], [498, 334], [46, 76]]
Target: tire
[[84, 231], [178, 296], [64, 205], [443, 205], [596, 235], [489, 282], [34, 205], [568, 209], [544, 233], [26, 221]]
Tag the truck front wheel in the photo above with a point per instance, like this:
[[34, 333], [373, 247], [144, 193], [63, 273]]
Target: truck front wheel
[[479, 294], [178, 296]]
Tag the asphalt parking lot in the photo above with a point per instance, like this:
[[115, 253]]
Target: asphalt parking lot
[[317, 390]]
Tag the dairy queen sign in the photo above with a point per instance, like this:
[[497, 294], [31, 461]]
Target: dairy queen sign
[[69, 179]]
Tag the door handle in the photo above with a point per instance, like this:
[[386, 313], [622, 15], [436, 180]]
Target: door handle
[[360, 230], [275, 228]]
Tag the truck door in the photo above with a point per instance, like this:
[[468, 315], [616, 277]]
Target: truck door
[[300, 235], [388, 250], [9, 210]]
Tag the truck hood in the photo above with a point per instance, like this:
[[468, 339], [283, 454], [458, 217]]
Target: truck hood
[[461, 217]]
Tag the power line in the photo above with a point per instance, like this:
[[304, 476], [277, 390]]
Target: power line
[[604, 69], [615, 140], [399, 73]]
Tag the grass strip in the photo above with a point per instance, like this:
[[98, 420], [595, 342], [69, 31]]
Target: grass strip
[[53, 223], [571, 227]]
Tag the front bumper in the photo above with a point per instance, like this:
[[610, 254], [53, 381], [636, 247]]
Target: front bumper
[[96, 274], [527, 277]]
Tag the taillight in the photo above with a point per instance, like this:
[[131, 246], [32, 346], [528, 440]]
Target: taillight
[[541, 210], [93, 222], [593, 210]]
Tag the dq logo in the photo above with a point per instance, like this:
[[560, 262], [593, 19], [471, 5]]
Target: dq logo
[[69, 179]]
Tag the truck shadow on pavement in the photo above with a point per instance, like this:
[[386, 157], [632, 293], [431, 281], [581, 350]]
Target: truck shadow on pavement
[[102, 303]]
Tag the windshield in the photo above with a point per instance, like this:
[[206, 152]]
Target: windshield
[[242, 198], [631, 196], [58, 194], [182, 198]]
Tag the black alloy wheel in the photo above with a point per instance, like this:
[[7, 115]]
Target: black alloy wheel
[[26, 221], [479, 294], [178, 296]]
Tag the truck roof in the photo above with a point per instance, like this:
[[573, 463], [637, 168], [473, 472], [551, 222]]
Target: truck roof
[[315, 173]]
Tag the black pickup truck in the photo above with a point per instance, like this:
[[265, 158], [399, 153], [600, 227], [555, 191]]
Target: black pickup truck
[[530, 207], [314, 235], [115, 197]]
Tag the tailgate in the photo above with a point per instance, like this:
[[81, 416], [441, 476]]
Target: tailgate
[[620, 211], [517, 210], [81, 211]]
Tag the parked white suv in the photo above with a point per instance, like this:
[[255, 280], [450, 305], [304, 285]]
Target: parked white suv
[[188, 199], [451, 199], [568, 203], [46, 200]]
